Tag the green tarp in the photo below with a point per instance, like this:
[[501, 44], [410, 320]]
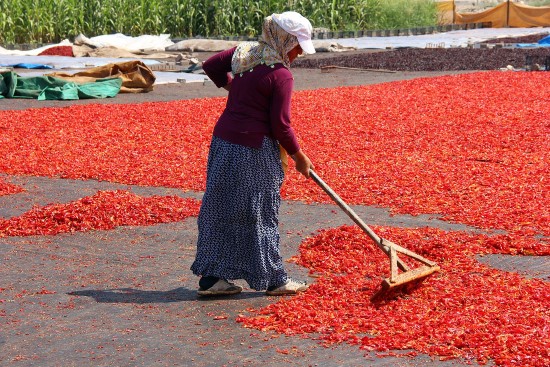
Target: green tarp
[[51, 88]]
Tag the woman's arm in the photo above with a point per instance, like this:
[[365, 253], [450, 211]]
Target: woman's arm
[[280, 123], [218, 68]]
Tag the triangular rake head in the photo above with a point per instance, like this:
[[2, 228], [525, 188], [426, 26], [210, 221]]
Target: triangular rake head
[[403, 283]]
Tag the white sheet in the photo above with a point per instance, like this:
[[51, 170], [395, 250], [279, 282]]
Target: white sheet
[[447, 39], [123, 42]]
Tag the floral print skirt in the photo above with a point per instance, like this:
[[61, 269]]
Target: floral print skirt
[[238, 220]]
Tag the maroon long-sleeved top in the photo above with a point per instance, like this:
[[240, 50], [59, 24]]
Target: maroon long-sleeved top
[[258, 104]]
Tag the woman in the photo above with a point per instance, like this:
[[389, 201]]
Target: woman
[[238, 220]]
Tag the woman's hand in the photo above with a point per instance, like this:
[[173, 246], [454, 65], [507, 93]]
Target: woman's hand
[[303, 164], [227, 87]]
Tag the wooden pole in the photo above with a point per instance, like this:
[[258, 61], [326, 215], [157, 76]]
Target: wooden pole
[[454, 11], [508, 14]]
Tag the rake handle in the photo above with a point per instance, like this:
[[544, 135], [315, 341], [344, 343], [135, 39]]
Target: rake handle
[[346, 208]]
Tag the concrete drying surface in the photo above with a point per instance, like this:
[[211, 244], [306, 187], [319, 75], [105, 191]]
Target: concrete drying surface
[[126, 297]]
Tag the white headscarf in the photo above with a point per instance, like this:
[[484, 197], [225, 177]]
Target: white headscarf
[[272, 48]]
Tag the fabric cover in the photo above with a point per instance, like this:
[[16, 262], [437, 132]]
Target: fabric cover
[[51, 88], [505, 14], [136, 76]]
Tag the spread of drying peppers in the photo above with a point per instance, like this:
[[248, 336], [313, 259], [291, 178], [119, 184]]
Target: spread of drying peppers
[[471, 149]]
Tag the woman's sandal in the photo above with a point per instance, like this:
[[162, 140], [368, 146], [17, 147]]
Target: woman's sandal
[[221, 288], [290, 287]]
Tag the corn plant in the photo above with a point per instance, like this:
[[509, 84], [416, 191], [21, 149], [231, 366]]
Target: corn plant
[[43, 21]]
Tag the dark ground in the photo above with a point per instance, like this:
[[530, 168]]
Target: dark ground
[[126, 297]]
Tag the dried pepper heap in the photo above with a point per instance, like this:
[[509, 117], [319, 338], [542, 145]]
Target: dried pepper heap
[[468, 310], [8, 189], [104, 210], [473, 148]]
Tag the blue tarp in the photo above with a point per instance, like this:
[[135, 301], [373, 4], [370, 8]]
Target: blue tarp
[[532, 45], [25, 65], [545, 41]]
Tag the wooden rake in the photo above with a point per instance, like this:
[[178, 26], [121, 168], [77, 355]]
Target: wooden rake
[[397, 283]]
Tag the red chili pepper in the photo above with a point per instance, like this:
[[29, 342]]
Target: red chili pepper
[[472, 148], [467, 310], [104, 210], [8, 189]]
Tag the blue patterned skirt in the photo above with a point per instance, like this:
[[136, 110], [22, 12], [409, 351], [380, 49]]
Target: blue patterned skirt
[[238, 220]]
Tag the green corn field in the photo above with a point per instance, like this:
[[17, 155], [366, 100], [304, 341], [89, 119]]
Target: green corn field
[[50, 21]]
